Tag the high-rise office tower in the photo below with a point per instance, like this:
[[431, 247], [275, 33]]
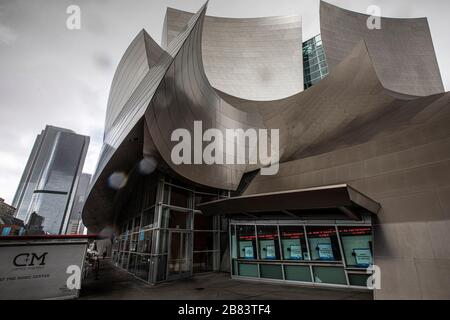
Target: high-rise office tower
[[49, 181], [75, 224]]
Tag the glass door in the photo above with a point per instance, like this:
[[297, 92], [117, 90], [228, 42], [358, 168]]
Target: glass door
[[180, 260]]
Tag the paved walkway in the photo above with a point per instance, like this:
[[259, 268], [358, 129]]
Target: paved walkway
[[115, 283]]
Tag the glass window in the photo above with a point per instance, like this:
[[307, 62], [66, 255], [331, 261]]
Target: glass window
[[357, 246], [126, 242], [148, 218], [359, 280], [268, 243], [134, 242], [293, 243], [142, 267], [333, 275], [323, 243], [271, 271], [132, 263], [137, 223], [178, 219], [248, 270], [203, 262], [203, 241], [202, 222], [246, 241], [125, 260], [145, 242], [297, 273], [179, 197]]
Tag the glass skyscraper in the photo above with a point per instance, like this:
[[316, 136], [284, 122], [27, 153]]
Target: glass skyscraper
[[50, 178], [75, 225]]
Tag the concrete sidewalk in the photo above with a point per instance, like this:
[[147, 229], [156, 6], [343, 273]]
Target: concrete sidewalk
[[115, 283]]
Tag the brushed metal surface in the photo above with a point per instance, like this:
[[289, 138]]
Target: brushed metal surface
[[402, 50], [250, 58]]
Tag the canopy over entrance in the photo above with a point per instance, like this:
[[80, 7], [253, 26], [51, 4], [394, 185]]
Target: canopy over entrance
[[340, 202]]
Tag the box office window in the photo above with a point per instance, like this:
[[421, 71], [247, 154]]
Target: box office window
[[323, 243], [357, 246], [293, 243], [269, 248], [246, 241]]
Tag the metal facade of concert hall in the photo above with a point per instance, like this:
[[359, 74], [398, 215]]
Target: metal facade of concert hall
[[364, 174]]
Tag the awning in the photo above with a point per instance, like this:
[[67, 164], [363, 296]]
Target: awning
[[340, 202]]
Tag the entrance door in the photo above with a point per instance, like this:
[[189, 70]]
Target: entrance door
[[180, 261]]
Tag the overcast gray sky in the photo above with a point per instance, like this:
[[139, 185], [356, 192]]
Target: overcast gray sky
[[51, 75]]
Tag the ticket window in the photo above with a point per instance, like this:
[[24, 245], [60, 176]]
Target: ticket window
[[246, 238], [323, 243], [269, 247], [293, 243], [357, 246]]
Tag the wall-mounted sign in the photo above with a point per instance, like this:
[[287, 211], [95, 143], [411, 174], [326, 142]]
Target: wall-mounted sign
[[363, 257], [270, 252], [296, 252], [325, 251], [248, 252], [32, 269]]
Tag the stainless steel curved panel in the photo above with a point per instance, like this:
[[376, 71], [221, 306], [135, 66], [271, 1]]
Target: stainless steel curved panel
[[402, 50], [250, 58]]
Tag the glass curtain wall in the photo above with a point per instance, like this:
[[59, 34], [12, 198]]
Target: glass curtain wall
[[164, 237], [314, 254], [315, 66]]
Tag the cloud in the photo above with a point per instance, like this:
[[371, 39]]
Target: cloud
[[103, 61], [7, 35]]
